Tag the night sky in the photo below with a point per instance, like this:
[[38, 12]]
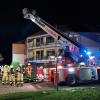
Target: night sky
[[78, 16]]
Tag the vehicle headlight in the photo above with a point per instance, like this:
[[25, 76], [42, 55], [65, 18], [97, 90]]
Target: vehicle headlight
[[60, 67], [71, 70]]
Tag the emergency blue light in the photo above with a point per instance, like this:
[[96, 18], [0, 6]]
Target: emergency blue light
[[89, 53], [85, 51], [81, 55]]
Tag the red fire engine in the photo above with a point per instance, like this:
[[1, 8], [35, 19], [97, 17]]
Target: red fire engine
[[68, 70], [73, 75]]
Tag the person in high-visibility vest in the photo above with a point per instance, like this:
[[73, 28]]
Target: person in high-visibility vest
[[20, 75], [5, 76], [29, 70], [12, 75], [40, 73]]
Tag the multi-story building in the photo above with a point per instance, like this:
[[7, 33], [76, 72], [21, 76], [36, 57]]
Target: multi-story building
[[41, 47]]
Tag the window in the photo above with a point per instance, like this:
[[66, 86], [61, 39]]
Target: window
[[30, 54], [30, 43], [42, 42], [50, 53], [42, 54], [49, 40], [74, 37], [39, 55], [38, 42]]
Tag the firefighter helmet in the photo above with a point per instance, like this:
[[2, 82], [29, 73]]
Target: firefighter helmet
[[5, 65], [20, 65], [11, 66], [82, 64], [41, 67], [29, 64]]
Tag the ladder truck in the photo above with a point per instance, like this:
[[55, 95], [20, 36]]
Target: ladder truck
[[72, 74], [60, 37]]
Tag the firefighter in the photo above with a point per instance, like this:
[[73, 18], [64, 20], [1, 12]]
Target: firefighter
[[40, 73], [82, 64], [20, 75], [12, 75], [5, 76], [29, 71]]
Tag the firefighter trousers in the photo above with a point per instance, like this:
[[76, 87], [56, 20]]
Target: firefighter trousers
[[29, 75], [12, 79], [19, 78], [5, 78]]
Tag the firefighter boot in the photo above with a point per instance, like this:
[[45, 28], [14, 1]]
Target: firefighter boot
[[11, 83], [21, 83], [2, 82]]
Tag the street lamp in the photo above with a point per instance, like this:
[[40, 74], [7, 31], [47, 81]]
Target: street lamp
[[56, 42]]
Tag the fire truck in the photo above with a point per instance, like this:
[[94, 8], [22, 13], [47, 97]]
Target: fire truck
[[67, 69]]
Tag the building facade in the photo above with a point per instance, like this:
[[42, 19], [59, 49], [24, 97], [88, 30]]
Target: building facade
[[42, 47]]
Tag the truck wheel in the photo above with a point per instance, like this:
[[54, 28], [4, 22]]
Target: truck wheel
[[72, 81]]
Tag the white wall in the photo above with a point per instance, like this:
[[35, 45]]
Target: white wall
[[19, 58]]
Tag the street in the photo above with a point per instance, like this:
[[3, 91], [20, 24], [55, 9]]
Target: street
[[28, 87], [81, 86], [12, 89]]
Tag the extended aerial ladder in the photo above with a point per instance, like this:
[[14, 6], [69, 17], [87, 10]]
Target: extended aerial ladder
[[55, 33]]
